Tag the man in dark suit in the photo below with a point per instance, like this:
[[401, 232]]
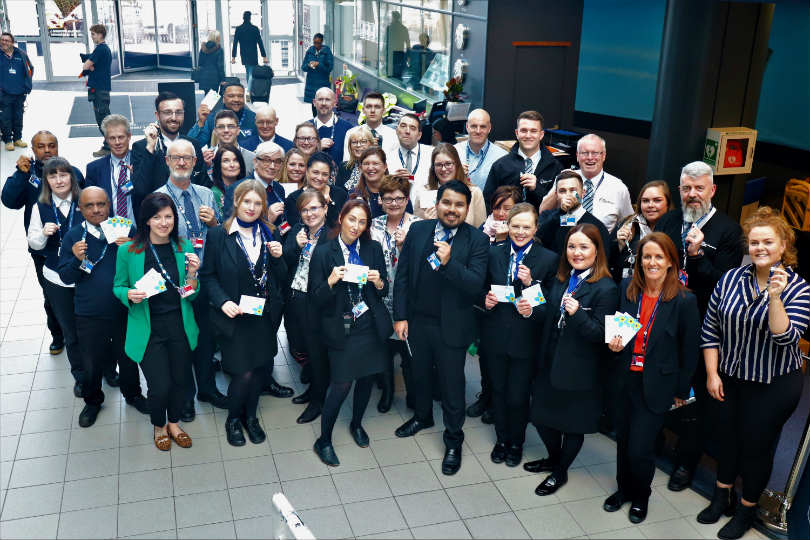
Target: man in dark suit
[[266, 122], [529, 166], [555, 224], [709, 244], [439, 275], [149, 154]]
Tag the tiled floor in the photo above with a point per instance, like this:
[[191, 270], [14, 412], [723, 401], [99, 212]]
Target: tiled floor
[[59, 480]]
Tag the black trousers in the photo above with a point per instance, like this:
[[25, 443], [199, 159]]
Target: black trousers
[[101, 107], [101, 342], [562, 448], [397, 346], [11, 118], [746, 427], [511, 386], [298, 316], [693, 427], [636, 429], [61, 299], [53, 324], [427, 345], [202, 357], [166, 365]]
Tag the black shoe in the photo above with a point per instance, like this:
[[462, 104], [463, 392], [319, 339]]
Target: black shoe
[[488, 417], [276, 390], [638, 511], [614, 503], [514, 455], [188, 413], [233, 432], [680, 479], [551, 484], [540, 465], [738, 525], [387, 397], [78, 390], [326, 452], [140, 403], [113, 380], [254, 430], [452, 461], [498, 454], [478, 407], [300, 399], [88, 415], [56, 346], [412, 427], [359, 435], [312, 412], [217, 399], [724, 502]]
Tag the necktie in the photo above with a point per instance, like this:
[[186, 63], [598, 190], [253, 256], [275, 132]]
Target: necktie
[[378, 137], [188, 212], [447, 234], [527, 165], [354, 257], [587, 201], [408, 160], [121, 195]]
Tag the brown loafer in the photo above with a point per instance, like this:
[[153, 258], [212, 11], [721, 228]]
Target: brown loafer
[[182, 439], [163, 442]]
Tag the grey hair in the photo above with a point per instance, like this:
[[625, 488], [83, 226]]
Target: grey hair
[[696, 169], [115, 120], [266, 110], [180, 142], [268, 147], [591, 137]]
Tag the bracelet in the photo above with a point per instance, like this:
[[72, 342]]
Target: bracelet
[[191, 277]]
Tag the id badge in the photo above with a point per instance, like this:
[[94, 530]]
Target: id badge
[[683, 277], [410, 177], [627, 272], [284, 228], [12, 71], [186, 290], [86, 266], [34, 181], [306, 249], [433, 261], [197, 243], [637, 362], [567, 221], [126, 188], [359, 309]]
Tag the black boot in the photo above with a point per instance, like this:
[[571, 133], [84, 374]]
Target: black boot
[[387, 396], [724, 501], [742, 521]]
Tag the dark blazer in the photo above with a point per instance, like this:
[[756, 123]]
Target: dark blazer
[[464, 276], [219, 277], [506, 171], [151, 168], [336, 193], [248, 37], [99, 174], [618, 259], [252, 142], [330, 300], [504, 330], [726, 238], [672, 350], [552, 234], [582, 337]]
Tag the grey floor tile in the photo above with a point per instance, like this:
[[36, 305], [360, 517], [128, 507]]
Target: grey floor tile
[[411, 478], [479, 439], [422, 509], [280, 415], [253, 501], [630, 533], [686, 502], [93, 523], [328, 522], [361, 486], [477, 500], [676, 528], [32, 472], [383, 426], [250, 471], [291, 439], [19, 364], [199, 478], [8, 447], [212, 531], [499, 471], [145, 485], [52, 379], [262, 527], [295, 465], [34, 527], [137, 433], [19, 382], [396, 451], [241, 452], [94, 438], [205, 450], [581, 485], [146, 517], [32, 501], [53, 398], [143, 458], [471, 472], [496, 526], [550, 522], [660, 509], [17, 402], [389, 535], [378, 516], [48, 420], [205, 425], [309, 493], [354, 458], [203, 509], [49, 443], [596, 449], [5, 473], [171, 533], [519, 492], [90, 493], [449, 530]]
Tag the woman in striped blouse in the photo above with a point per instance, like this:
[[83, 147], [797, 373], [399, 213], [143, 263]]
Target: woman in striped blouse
[[756, 316]]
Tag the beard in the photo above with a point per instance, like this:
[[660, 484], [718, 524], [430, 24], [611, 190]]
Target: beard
[[693, 214], [182, 176]]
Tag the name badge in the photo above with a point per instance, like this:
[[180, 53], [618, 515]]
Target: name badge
[[34, 181], [284, 228], [410, 177], [627, 272], [12, 71], [359, 309], [86, 266], [433, 261], [126, 188], [637, 362], [186, 290], [197, 243], [567, 221]]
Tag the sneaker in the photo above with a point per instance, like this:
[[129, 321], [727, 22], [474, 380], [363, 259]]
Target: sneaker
[[21, 143], [10, 146]]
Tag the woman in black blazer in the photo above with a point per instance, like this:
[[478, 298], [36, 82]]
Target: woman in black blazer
[[567, 392], [319, 173], [355, 323], [509, 330], [242, 259], [655, 367]]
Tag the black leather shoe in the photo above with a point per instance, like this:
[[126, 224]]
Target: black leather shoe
[[550, 485], [614, 503], [539, 465], [498, 454], [217, 399], [188, 413], [326, 452], [78, 390], [514, 455], [302, 398], [254, 430], [113, 380], [359, 435], [724, 502], [412, 427], [56, 346], [680, 479], [452, 461], [312, 412], [276, 390], [638, 511], [233, 432], [478, 406], [386, 398], [488, 417], [140, 403], [88, 415], [737, 526]]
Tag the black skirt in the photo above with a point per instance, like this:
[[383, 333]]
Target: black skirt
[[252, 344], [364, 354]]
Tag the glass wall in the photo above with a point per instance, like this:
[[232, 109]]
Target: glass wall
[[105, 10], [66, 33], [175, 34], [24, 24], [138, 33]]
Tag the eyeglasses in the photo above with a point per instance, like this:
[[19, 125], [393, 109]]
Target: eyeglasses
[[444, 165], [264, 123], [393, 200], [184, 158], [267, 159], [362, 142], [306, 139], [179, 112], [310, 210], [227, 127], [590, 154]]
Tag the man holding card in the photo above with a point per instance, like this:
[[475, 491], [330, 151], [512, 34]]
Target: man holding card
[[439, 275], [88, 260]]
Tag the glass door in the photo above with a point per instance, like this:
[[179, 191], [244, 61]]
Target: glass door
[[24, 19], [233, 18], [67, 36], [281, 37], [105, 13], [174, 28], [139, 36]]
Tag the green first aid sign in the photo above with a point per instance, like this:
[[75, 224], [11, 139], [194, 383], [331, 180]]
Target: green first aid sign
[[710, 152]]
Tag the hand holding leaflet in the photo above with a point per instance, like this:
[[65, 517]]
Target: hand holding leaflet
[[251, 305], [151, 283], [356, 273], [534, 295], [504, 293]]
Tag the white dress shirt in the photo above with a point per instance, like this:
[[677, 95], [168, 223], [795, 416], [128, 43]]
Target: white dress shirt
[[37, 239], [611, 201], [420, 161]]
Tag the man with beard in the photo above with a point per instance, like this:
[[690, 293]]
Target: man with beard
[[195, 213], [331, 128], [709, 244], [439, 275], [266, 123], [233, 99], [150, 152]]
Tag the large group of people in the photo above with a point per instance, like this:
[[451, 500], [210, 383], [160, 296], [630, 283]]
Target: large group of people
[[381, 246]]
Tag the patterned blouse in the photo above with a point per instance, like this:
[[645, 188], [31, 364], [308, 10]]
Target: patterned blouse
[[299, 282], [379, 232]]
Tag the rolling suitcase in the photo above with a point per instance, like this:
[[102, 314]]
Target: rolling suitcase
[[261, 83]]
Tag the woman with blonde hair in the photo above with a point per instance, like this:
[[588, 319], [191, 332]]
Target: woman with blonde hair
[[359, 138], [294, 169], [211, 63]]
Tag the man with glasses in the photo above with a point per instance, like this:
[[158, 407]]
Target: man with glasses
[[331, 128], [529, 165], [233, 99], [267, 169], [15, 85], [266, 122], [226, 131], [150, 152], [374, 110]]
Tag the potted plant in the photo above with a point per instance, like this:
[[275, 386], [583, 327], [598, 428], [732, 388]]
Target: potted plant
[[453, 89], [347, 90]]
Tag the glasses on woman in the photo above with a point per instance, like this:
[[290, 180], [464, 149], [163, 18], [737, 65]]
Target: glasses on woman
[[306, 139], [361, 143], [311, 210], [444, 164], [393, 200]]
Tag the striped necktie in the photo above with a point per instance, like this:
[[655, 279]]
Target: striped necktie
[[121, 194], [587, 201]]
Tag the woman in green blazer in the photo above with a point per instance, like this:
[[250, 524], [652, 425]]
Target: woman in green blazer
[[161, 330]]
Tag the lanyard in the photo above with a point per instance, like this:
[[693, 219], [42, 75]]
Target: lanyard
[[163, 271], [305, 251], [113, 178], [271, 191], [601, 178], [195, 227], [571, 291], [103, 251], [69, 218], [515, 259], [390, 242], [418, 157], [646, 335], [484, 151], [698, 224], [261, 281]]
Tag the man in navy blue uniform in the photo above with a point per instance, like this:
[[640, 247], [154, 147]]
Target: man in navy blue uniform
[[97, 67], [331, 128], [266, 122], [16, 72]]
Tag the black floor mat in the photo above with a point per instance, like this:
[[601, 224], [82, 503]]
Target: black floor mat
[[82, 111]]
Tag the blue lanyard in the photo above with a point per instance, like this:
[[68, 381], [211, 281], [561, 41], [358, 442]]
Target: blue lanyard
[[163, 271], [573, 287], [103, 251], [389, 239], [515, 259], [646, 335], [69, 218], [308, 246], [261, 281], [484, 151], [418, 157], [195, 227]]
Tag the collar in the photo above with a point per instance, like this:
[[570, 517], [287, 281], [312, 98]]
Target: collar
[[578, 213], [593, 178], [95, 230], [234, 227], [176, 190], [319, 124], [534, 157], [117, 161], [257, 178], [271, 139], [484, 147], [59, 202], [167, 141], [405, 150], [440, 228], [375, 128], [345, 248], [512, 248], [584, 275]]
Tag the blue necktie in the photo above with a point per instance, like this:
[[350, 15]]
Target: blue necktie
[[354, 257], [447, 234], [587, 201], [188, 212]]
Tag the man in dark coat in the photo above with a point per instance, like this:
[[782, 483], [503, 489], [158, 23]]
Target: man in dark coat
[[248, 37]]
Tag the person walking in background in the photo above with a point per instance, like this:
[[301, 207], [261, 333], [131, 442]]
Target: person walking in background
[[317, 64], [97, 67], [16, 72], [212, 62], [248, 37]]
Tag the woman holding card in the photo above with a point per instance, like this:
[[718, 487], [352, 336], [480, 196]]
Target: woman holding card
[[156, 279], [243, 275], [509, 329], [348, 282], [655, 366], [503, 200], [567, 391], [56, 212], [319, 172], [445, 165]]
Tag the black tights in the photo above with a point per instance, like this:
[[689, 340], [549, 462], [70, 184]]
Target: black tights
[[562, 447], [243, 393], [335, 398]]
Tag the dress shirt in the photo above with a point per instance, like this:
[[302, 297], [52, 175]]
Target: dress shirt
[[253, 252], [438, 232], [534, 157], [611, 200], [479, 164], [115, 170], [37, 239], [421, 153]]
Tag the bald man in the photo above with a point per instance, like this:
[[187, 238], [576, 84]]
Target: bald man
[[88, 260], [331, 128], [478, 153], [266, 123]]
